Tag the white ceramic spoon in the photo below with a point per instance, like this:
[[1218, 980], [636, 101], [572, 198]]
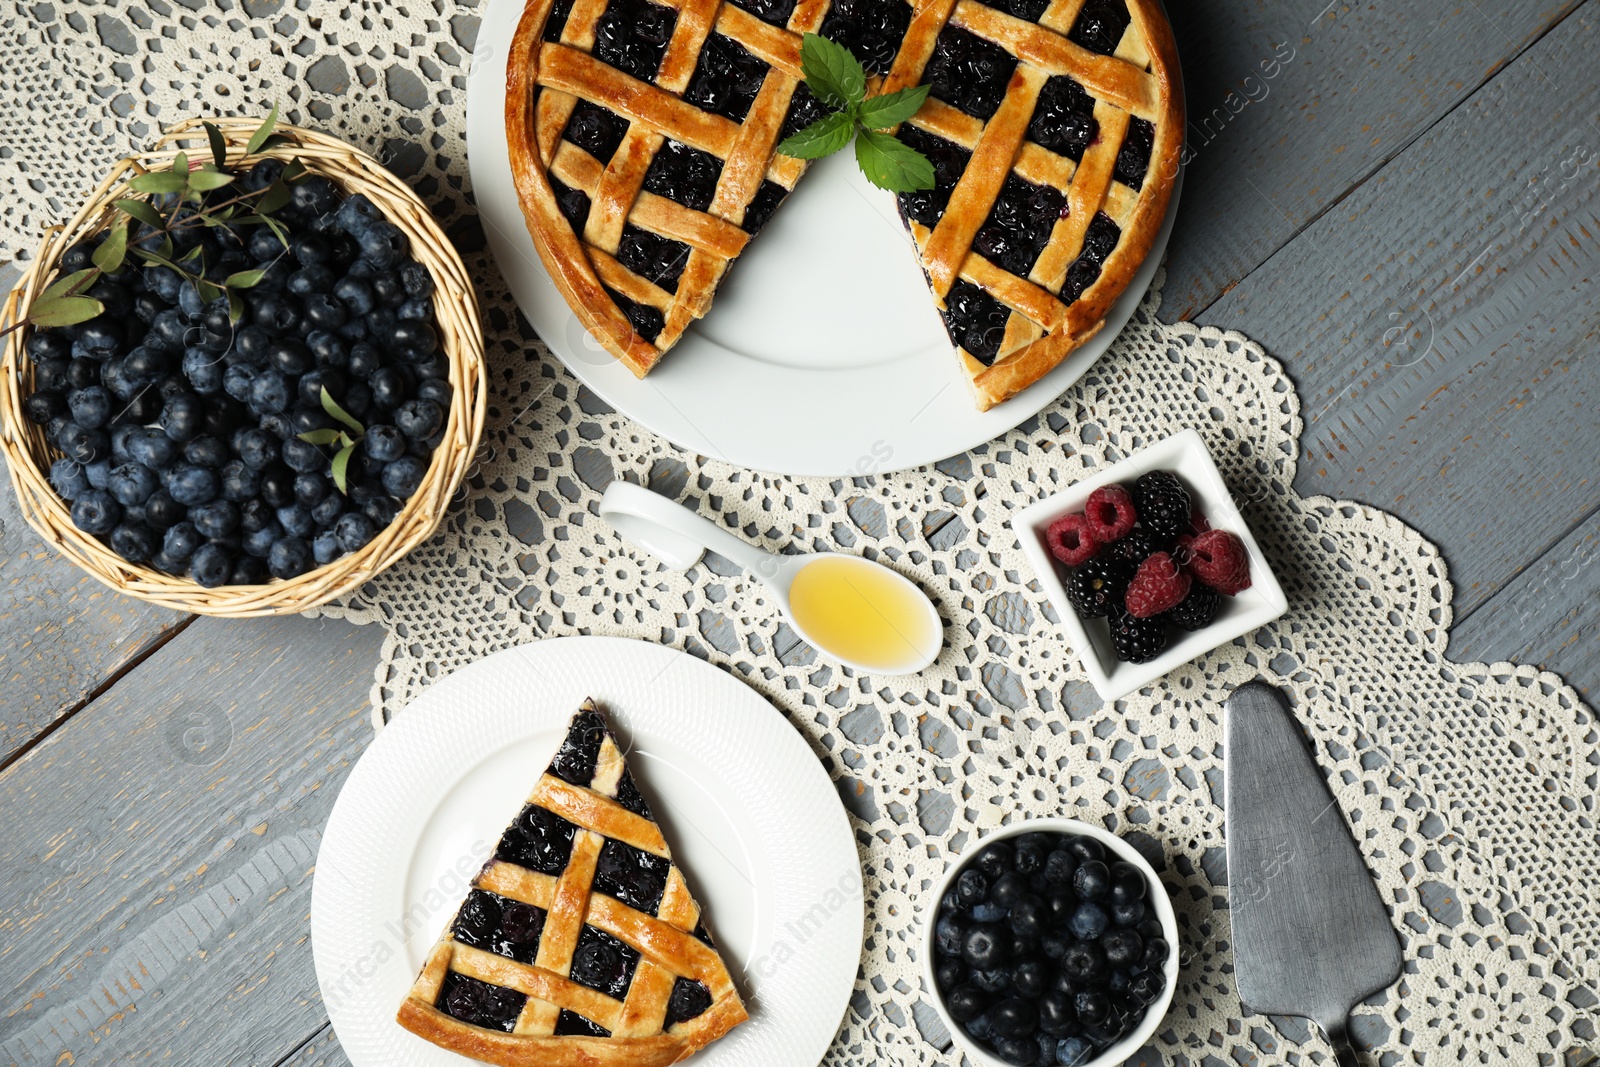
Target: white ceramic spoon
[[897, 628]]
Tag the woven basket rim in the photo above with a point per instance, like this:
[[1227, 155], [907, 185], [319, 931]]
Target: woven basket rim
[[28, 456]]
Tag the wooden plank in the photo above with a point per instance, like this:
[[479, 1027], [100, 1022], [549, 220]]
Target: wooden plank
[[1548, 616], [1292, 106], [1436, 322], [159, 850], [62, 634], [321, 1049]]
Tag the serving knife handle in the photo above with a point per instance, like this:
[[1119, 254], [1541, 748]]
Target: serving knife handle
[[1337, 1031]]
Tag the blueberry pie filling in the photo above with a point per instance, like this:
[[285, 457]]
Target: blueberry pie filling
[[545, 958], [1053, 149]]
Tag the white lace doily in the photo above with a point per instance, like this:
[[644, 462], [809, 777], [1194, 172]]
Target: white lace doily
[[1471, 787]]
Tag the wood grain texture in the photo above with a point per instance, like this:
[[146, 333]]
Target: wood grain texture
[[1436, 321], [160, 845], [1293, 105]]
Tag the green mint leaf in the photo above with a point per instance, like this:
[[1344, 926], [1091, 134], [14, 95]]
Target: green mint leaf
[[161, 181], [64, 311], [114, 249], [219, 146], [141, 210], [822, 138], [341, 463], [332, 407], [833, 75], [258, 140], [882, 112], [890, 164], [321, 438], [206, 180], [68, 283], [244, 279]]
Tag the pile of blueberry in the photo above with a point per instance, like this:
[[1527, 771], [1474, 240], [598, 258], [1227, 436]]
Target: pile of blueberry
[[184, 428], [1047, 951]]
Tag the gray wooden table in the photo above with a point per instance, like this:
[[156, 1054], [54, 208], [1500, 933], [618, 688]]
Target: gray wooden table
[[1357, 170]]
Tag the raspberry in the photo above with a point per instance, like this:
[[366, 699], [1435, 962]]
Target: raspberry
[[1163, 503], [1137, 640], [1110, 513], [1139, 545], [1071, 540], [1158, 585], [1197, 609], [1218, 558], [1097, 586]]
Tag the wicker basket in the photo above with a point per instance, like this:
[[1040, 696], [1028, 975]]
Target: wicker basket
[[460, 336]]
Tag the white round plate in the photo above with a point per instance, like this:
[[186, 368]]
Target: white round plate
[[750, 814], [823, 354]]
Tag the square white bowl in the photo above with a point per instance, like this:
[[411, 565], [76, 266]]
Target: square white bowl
[[1185, 455]]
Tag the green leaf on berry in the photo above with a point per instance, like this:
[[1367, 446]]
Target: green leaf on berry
[[244, 279], [822, 138], [141, 210], [206, 179], [834, 75], [219, 146], [64, 311], [258, 140], [882, 112], [235, 308], [341, 463], [321, 438], [890, 164], [332, 407], [159, 182], [68, 284], [208, 290], [114, 249], [275, 197]]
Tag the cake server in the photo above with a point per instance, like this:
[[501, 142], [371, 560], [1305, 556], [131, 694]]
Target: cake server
[[1311, 936]]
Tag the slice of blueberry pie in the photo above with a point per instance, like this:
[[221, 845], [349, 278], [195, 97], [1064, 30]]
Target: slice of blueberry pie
[[643, 144], [579, 943]]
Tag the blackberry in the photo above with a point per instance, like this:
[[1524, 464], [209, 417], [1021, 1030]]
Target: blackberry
[[1098, 586], [1137, 640], [1163, 503], [1197, 609], [1139, 545]]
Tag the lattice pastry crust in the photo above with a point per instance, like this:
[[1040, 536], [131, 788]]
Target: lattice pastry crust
[[1012, 315], [580, 944]]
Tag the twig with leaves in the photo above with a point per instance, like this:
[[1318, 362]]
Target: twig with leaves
[[346, 439]]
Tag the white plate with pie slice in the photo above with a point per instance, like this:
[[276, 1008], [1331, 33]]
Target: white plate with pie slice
[[749, 813], [823, 354]]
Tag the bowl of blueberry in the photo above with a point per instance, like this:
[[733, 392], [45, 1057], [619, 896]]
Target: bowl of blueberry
[[246, 376], [1053, 943]]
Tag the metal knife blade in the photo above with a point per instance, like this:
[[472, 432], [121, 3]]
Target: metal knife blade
[[1311, 936]]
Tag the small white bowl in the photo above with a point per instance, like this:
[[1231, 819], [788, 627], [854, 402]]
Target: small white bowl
[[1131, 1042], [1185, 455]]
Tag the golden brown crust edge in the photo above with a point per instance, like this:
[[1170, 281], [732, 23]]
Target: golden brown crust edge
[[1008, 377], [559, 248]]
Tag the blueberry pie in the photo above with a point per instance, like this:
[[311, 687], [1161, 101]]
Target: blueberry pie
[[579, 943], [642, 142]]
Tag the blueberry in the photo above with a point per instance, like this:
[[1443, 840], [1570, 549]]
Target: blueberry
[[210, 565], [303, 456], [68, 479], [1060, 902], [382, 244], [1059, 866], [1127, 882], [1092, 880], [96, 512], [311, 489], [215, 520], [947, 937], [1030, 978], [324, 312], [389, 387], [45, 345], [161, 512], [1029, 916], [315, 195], [133, 483], [1074, 1051], [191, 485], [965, 1002], [82, 373], [91, 407], [325, 548], [364, 359], [255, 447], [314, 382], [1019, 1051], [152, 448], [290, 557], [402, 477], [205, 371], [1014, 1017], [1156, 951], [1118, 982], [985, 944], [980, 1026], [83, 444], [1122, 947], [328, 349], [101, 337], [389, 289], [183, 416], [1086, 848], [248, 570], [382, 511], [290, 357], [310, 250], [270, 392], [181, 541], [265, 246], [259, 542], [50, 375], [41, 407], [1092, 1006], [1056, 1015], [133, 542], [277, 485], [1054, 945], [355, 294], [1089, 921], [414, 341], [306, 418], [992, 980], [357, 213], [1129, 914], [437, 390], [278, 425], [357, 399], [252, 343], [217, 319], [385, 444], [355, 530], [207, 451], [1028, 857], [326, 510], [988, 912], [1084, 962], [1007, 889], [296, 520], [239, 481]]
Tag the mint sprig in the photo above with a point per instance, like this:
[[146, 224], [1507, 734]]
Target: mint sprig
[[838, 79]]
